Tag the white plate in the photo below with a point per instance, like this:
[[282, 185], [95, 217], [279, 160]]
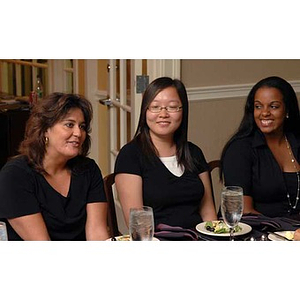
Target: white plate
[[245, 229], [273, 237], [127, 238]]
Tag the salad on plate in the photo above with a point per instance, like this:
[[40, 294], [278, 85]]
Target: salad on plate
[[220, 226]]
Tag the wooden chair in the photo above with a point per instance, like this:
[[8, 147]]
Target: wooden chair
[[214, 164], [109, 181]]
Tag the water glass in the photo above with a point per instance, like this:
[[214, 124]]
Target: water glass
[[141, 224], [3, 232], [232, 206]]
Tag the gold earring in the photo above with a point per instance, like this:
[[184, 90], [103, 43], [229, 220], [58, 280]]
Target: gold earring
[[46, 141]]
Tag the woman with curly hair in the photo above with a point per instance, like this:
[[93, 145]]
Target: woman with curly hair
[[52, 190]]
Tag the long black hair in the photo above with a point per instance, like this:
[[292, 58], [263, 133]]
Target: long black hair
[[248, 126], [142, 135]]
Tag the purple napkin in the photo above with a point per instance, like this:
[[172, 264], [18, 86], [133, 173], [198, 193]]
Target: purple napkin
[[261, 222], [174, 233]]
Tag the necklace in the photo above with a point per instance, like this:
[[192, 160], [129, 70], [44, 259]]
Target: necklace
[[297, 173]]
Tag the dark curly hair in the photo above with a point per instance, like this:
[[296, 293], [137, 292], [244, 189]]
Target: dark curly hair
[[44, 115]]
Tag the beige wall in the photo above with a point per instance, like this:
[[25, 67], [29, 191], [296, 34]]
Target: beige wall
[[210, 125], [213, 121], [211, 72]]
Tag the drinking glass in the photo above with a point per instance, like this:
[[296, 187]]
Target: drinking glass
[[232, 205], [141, 224], [3, 232]]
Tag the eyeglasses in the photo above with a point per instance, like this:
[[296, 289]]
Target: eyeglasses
[[170, 109]]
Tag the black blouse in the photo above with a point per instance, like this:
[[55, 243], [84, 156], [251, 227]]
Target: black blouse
[[23, 191], [249, 163], [175, 200]]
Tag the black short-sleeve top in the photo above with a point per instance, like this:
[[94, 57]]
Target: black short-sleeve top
[[249, 163], [23, 191], [175, 200]]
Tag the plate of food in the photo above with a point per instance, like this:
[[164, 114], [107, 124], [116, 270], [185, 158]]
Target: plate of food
[[126, 237], [219, 228], [289, 235]]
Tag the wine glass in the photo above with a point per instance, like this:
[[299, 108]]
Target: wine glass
[[3, 232], [141, 224], [232, 205]]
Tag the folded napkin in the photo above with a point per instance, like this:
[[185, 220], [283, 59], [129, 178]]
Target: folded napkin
[[174, 233], [261, 222]]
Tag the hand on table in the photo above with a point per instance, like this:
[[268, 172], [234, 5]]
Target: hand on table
[[297, 235]]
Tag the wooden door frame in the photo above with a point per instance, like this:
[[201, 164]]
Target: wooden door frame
[[155, 68]]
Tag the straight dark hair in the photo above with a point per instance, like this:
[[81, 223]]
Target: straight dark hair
[[142, 135], [44, 115], [248, 126]]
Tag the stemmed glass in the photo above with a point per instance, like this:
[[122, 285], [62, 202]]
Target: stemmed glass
[[3, 232], [232, 205], [141, 224]]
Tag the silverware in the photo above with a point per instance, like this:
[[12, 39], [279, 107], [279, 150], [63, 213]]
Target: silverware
[[263, 237], [281, 237]]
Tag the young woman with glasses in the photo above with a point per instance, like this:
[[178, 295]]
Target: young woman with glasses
[[160, 167]]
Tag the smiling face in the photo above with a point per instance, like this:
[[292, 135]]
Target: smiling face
[[67, 135], [164, 124], [269, 110]]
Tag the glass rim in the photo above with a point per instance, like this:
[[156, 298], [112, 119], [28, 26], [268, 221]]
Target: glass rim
[[141, 208], [233, 187]]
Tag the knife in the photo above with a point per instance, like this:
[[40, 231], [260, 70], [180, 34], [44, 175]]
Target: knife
[[281, 237]]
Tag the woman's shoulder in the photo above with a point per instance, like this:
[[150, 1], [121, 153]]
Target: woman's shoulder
[[130, 159], [241, 148], [129, 149], [198, 157], [131, 146], [193, 146], [18, 162], [243, 143], [194, 149], [17, 168]]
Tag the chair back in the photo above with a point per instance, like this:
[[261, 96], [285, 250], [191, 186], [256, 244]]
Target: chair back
[[215, 182], [109, 181]]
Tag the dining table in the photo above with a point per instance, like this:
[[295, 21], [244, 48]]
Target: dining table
[[254, 228], [263, 228]]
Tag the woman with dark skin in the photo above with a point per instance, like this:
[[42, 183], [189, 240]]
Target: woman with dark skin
[[52, 190], [263, 155]]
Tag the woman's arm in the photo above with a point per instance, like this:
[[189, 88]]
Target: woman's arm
[[30, 227], [96, 222], [207, 207], [129, 188]]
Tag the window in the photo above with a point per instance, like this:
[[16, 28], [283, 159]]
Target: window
[[18, 76]]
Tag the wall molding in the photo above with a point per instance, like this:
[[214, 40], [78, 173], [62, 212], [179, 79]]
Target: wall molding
[[226, 91]]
